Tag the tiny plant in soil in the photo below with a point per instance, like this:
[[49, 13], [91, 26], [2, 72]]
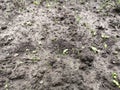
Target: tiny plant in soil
[[78, 18], [36, 2], [114, 75], [115, 79], [105, 45], [104, 36], [34, 59], [94, 49], [93, 32], [65, 51], [6, 86]]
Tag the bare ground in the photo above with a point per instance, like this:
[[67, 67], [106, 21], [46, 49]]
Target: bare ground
[[59, 45]]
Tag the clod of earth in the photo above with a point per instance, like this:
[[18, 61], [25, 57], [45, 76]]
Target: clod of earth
[[4, 27]]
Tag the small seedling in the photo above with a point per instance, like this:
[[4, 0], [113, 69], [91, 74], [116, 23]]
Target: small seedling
[[36, 2], [6, 86], [105, 36], [16, 54], [93, 32], [65, 51], [94, 49], [115, 81], [114, 75], [48, 3], [105, 45], [34, 59], [28, 23], [78, 18]]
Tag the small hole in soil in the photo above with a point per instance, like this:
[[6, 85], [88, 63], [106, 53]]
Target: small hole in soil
[[117, 36], [62, 18], [4, 64], [3, 67]]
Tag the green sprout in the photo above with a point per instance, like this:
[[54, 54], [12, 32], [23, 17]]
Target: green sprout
[[35, 59], [93, 32], [105, 45], [114, 75], [28, 23], [115, 81], [78, 18], [36, 2], [65, 51], [105, 36], [94, 49], [6, 86]]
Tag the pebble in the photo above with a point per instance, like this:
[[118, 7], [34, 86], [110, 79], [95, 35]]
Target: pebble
[[16, 54], [41, 82]]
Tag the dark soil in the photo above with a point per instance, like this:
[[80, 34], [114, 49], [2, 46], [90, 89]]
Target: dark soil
[[48, 46]]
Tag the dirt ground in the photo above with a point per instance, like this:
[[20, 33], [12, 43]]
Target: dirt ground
[[59, 45]]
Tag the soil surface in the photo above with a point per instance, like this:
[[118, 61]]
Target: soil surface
[[59, 45]]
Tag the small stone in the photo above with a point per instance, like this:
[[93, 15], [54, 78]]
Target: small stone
[[83, 47], [41, 82], [40, 43], [34, 52], [27, 49], [28, 23], [113, 62], [118, 49], [16, 54]]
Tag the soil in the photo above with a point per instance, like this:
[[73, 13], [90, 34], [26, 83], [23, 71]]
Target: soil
[[48, 46]]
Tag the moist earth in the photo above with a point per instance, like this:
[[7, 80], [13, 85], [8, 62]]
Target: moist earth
[[59, 45]]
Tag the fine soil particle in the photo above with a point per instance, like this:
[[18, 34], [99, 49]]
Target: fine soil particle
[[46, 45]]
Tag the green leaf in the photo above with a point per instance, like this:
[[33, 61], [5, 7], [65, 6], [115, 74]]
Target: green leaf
[[116, 83], [105, 45], [105, 36], [114, 75], [65, 51], [36, 2], [93, 32], [94, 49], [78, 18]]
